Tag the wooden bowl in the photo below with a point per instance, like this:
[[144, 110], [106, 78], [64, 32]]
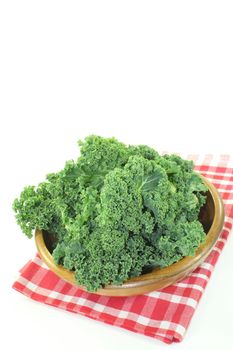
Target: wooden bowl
[[212, 218]]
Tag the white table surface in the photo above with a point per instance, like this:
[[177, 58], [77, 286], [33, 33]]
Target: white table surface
[[159, 74]]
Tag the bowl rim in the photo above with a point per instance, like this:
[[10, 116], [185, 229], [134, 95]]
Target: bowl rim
[[147, 279]]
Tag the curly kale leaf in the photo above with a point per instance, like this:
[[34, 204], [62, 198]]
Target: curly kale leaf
[[34, 209], [116, 211]]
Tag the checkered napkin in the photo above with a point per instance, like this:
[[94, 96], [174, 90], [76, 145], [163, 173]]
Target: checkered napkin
[[163, 314]]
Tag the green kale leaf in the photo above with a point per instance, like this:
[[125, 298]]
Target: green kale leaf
[[116, 211]]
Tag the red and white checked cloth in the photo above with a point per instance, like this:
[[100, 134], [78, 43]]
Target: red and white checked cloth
[[163, 314]]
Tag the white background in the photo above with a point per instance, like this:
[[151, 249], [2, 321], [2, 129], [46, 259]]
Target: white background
[[154, 72]]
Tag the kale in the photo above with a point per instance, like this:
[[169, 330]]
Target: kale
[[116, 210]]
